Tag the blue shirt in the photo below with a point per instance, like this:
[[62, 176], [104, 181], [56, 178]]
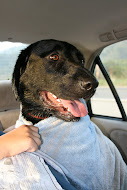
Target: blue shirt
[[1, 133]]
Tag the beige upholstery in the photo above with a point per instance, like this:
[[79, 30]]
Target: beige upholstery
[[9, 108], [116, 130], [119, 137]]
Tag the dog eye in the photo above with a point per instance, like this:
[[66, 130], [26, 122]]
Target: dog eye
[[54, 57]]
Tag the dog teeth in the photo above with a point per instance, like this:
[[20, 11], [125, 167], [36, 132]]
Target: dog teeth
[[68, 109], [58, 100], [54, 96]]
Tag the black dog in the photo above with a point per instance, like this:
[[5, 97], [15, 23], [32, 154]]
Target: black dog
[[48, 79]]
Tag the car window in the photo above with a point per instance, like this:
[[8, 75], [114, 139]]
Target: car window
[[8, 55], [114, 61]]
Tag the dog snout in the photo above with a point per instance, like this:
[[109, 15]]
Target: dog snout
[[88, 85]]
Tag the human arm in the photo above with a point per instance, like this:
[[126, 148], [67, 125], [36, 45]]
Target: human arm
[[24, 138]]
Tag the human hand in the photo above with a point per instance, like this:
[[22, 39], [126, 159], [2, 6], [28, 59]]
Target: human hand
[[24, 138]]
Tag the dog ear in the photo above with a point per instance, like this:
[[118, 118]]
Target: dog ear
[[19, 69]]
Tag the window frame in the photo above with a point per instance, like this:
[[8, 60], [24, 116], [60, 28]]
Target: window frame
[[98, 62]]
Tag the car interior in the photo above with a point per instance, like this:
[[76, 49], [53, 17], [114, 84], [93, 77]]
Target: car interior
[[89, 25]]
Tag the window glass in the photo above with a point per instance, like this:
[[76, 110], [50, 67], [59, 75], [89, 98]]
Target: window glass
[[8, 55], [114, 59], [103, 102]]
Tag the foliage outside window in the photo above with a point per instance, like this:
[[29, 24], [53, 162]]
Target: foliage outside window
[[114, 59]]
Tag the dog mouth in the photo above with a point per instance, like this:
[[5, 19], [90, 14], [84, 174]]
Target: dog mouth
[[67, 108]]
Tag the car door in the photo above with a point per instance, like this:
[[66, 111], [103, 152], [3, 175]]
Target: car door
[[108, 107]]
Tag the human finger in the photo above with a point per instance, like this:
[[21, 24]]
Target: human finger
[[36, 139], [33, 128]]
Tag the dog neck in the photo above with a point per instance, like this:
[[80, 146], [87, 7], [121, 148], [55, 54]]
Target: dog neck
[[33, 115], [36, 116]]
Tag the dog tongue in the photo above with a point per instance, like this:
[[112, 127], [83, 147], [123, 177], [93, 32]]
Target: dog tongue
[[76, 107]]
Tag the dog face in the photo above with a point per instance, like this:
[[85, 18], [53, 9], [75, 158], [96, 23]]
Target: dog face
[[49, 77]]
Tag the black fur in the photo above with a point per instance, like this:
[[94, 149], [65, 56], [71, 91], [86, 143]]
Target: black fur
[[35, 72]]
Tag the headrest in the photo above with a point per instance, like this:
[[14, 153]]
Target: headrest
[[7, 99]]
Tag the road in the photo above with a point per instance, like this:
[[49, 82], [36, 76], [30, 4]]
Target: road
[[103, 102], [103, 92]]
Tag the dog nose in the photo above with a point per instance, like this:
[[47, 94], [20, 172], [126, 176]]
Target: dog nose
[[88, 85]]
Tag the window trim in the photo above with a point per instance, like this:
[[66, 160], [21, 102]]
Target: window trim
[[98, 62]]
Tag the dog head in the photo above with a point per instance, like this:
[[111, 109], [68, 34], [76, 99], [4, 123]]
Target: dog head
[[49, 78]]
